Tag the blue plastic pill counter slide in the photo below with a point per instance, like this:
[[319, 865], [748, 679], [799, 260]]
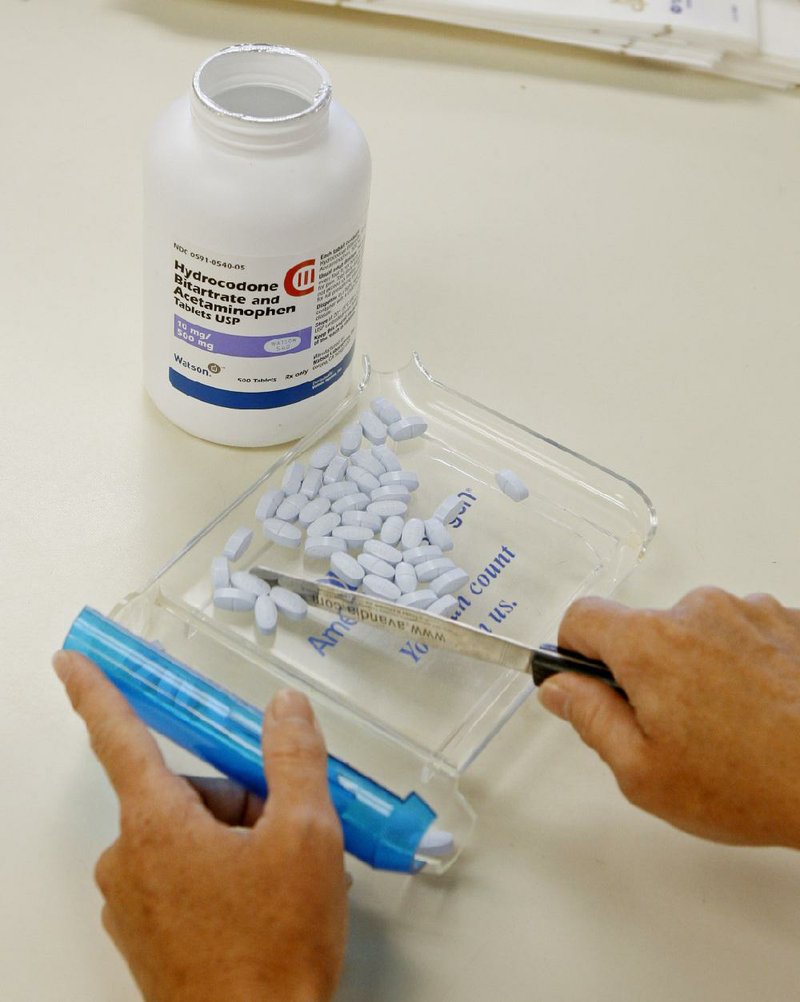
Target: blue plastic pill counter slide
[[402, 720]]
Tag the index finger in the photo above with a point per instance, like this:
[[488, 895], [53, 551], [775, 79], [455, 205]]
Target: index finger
[[593, 627], [126, 749]]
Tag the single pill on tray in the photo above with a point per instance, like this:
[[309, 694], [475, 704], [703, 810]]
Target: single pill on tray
[[510, 484], [438, 535], [392, 529], [347, 569], [337, 490], [418, 599], [374, 429], [237, 543], [388, 508], [380, 587], [408, 427], [386, 458], [374, 565], [268, 504], [349, 502], [383, 550], [449, 582], [351, 439], [365, 461], [436, 842], [323, 455], [312, 482], [413, 533], [324, 525], [445, 606], [234, 599], [313, 510], [220, 573], [405, 577], [417, 554], [366, 482], [289, 509], [289, 603], [427, 570], [266, 614], [392, 492], [292, 478], [406, 478], [335, 470], [385, 410], [354, 535], [448, 508], [366, 519], [282, 533], [323, 547], [245, 581]]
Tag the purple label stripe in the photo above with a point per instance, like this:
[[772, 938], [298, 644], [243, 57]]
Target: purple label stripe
[[242, 345]]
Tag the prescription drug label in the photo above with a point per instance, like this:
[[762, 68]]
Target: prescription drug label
[[258, 333]]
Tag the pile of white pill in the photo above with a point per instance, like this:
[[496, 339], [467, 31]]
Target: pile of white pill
[[348, 506]]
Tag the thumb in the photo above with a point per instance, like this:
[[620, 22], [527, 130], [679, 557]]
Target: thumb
[[602, 718], [295, 759]]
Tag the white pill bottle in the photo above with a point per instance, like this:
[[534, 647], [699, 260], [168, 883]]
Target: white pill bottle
[[256, 192]]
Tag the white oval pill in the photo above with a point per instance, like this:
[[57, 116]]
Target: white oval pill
[[289, 509], [323, 547], [324, 525], [323, 455], [405, 577], [449, 581], [392, 492], [313, 510], [418, 599], [386, 458], [349, 502], [237, 543], [444, 606], [438, 535], [338, 489], [220, 573], [418, 554], [406, 478], [266, 614], [510, 484], [365, 461], [436, 842], [312, 482], [448, 508], [374, 565], [354, 535], [373, 428], [234, 599], [427, 570], [289, 603], [245, 581], [335, 470], [383, 550], [408, 427], [367, 519], [385, 410], [380, 587], [282, 533], [413, 533], [392, 530], [388, 508], [268, 504], [347, 569], [350, 440], [293, 478], [366, 482]]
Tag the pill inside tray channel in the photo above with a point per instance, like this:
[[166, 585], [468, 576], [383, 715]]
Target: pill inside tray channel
[[353, 501]]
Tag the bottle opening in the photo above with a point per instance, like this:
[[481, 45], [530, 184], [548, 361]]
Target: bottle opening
[[262, 83]]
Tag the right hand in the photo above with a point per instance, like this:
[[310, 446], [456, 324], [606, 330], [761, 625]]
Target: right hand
[[710, 740]]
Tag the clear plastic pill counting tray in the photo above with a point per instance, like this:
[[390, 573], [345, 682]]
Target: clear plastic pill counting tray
[[410, 716]]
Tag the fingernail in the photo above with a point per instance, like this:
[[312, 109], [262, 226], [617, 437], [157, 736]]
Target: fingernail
[[60, 663], [290, 705], [555, 698]]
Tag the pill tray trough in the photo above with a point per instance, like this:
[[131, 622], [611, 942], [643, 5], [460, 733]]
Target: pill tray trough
[[414, 718]]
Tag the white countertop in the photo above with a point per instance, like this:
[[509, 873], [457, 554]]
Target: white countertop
[[604, 250]]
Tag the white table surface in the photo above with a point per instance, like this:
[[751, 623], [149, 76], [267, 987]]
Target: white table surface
[[607, 251]]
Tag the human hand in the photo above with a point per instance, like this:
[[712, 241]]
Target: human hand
[[711, 738], [202, 911]]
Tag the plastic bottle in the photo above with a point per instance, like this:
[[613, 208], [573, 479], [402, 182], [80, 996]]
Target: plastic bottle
[[256, 193]]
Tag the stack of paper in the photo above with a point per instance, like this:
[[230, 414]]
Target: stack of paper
[[754, 40]]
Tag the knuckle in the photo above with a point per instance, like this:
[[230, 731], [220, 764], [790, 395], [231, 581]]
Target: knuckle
[[314, 824], [105, 870], [296, 742]]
